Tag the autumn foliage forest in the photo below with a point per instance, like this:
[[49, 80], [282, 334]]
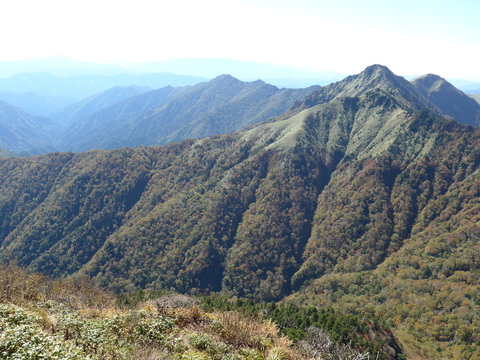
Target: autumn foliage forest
[[361, 201]]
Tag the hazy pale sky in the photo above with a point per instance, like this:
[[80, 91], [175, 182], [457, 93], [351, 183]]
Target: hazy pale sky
[[409, 36]]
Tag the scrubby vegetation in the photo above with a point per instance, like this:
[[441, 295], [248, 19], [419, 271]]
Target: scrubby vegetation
[[301, 323], [41, 318]]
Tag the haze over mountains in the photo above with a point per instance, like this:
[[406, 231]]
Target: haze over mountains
[[277, 75], [137, 115], [75, 88], [78, 110], [220, 106], [25, 134], [362, 195], [129, 116]]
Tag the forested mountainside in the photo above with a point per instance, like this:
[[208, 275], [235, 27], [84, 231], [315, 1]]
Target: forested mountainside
[[367, 200], [220, 106]]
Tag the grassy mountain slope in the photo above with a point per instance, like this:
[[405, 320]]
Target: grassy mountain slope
[[222, 105], [373, 77], [74, 112], [429, 92], [451, 101], [25, 134]]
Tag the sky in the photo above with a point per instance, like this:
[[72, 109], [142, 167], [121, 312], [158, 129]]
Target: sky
[[411, 37]]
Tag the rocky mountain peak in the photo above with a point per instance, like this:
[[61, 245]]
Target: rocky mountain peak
[[431, 82], [376, 70], [372, 78]]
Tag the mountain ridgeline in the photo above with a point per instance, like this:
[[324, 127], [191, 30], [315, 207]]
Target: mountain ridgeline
[[25, 134], [74, 112], [5, 153], [220, 106], [257, 204], [429, 92], [451, 101], [364, 194], [136, 115], [133, 115]]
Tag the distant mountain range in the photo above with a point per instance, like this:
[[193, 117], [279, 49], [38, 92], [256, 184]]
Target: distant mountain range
[[278, 75], [363, 196], [59, 66], [473, 91], [74, 88], [25, 134], [76, 111], [132, 116], [281, 76], [219, 106], [34, 104], [136, 115]]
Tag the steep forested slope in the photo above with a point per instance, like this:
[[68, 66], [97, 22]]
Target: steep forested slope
[[364, 201], [245, 201], [330, 188]]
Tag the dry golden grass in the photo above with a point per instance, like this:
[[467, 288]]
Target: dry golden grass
[[22, 287], [191, 316], [242, 331]]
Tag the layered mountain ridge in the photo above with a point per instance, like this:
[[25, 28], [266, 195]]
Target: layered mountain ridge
[[364, 198], [34, 104], [25, 134], [74, 112], [123, 116], [222, 105], [415, 94]]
